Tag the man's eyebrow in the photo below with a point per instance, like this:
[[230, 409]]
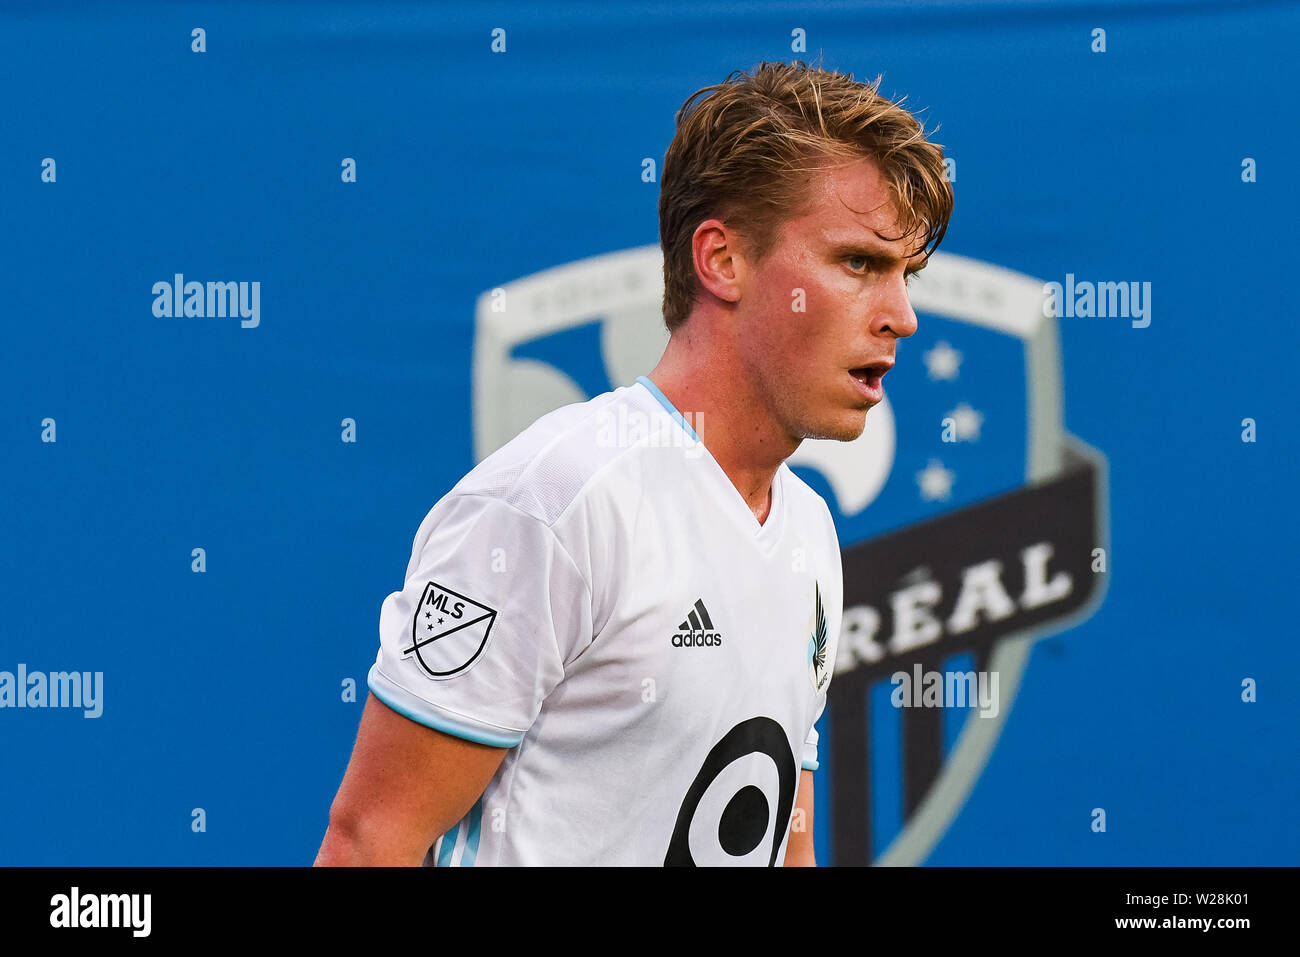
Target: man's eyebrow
[[879, 255]]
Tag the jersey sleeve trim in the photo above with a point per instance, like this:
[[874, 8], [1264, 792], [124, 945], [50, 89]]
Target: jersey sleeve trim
[[810, 765], [422, 712]]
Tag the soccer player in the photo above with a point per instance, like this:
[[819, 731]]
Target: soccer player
[[617, 631]]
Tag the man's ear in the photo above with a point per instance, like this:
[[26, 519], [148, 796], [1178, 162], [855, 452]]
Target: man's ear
[[719, 260]]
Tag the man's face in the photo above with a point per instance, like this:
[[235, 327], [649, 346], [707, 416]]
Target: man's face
[[810, 363]]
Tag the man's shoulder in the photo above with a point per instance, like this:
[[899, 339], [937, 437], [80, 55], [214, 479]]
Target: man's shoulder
[[557, 459]]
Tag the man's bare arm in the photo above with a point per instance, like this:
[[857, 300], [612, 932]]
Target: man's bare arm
[[405, 785], [799, 851]]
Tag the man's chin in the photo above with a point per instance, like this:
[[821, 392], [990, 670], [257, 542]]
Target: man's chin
[[843, 428]]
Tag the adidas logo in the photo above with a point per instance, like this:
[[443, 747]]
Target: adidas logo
[[696, 631]]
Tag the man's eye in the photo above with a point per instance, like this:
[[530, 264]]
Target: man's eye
[[852, 259]]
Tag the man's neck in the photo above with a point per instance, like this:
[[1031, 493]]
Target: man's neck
[[712, 390]]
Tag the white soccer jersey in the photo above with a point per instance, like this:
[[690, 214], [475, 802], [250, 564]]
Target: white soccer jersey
[[598, 597]]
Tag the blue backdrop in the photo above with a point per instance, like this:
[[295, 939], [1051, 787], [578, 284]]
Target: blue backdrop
[[1154, 152]]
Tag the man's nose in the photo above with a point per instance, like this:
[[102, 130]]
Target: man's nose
[[894, 315]]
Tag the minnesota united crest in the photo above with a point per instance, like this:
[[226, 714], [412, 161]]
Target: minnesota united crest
[[818, 673]]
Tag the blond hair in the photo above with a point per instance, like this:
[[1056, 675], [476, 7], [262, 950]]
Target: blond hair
[[742, 144]]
